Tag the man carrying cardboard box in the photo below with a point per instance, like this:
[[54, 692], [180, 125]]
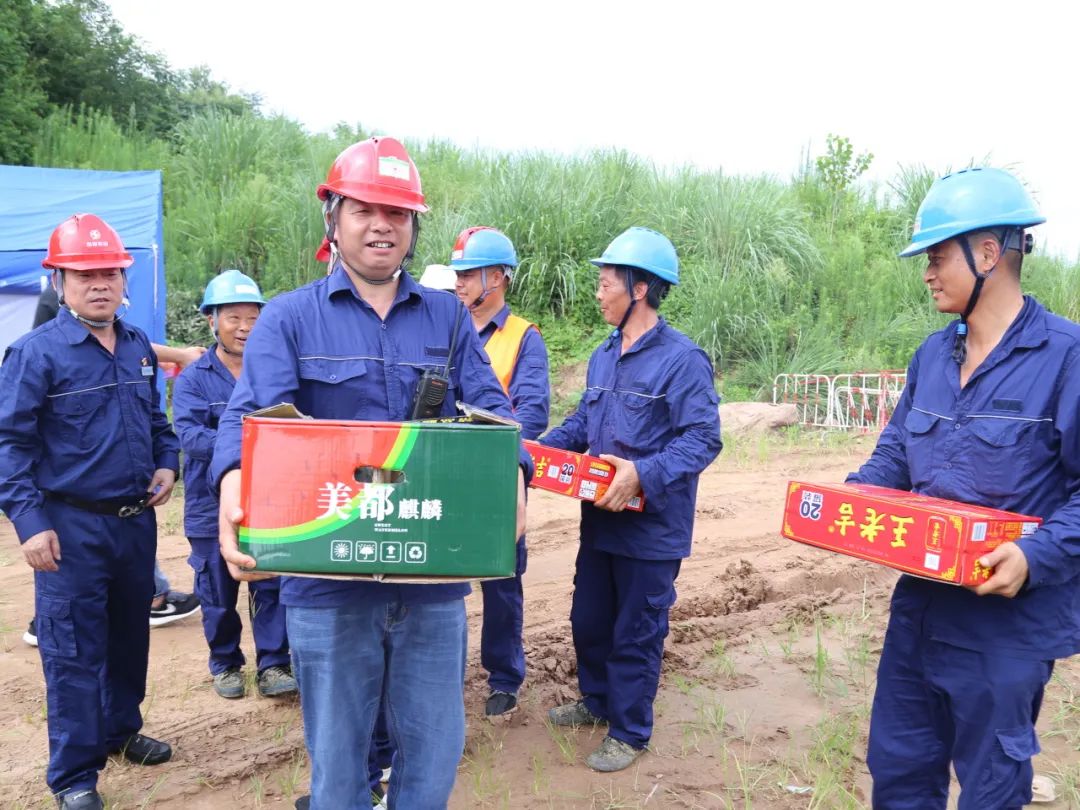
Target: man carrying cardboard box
[[231, 304], [650, 409], [990, 417], [484, 260], [353, 345]]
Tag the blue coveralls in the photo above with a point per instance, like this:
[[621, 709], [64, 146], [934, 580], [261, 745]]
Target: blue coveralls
[[326, 350], [961, 676], [656, 405], [83, 423], [200, 395], [501, 651]]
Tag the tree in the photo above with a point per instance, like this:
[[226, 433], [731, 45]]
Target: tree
[[23, 101]]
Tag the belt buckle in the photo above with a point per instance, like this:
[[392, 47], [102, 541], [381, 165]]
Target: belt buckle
[[131, 510]]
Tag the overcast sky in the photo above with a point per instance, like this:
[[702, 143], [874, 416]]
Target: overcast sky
[[747, 87]]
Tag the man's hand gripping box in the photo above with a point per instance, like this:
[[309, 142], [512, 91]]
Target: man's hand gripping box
[[574, 474]]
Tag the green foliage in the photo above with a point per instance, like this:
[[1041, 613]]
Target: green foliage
[[840, 167], [776, 276], [22, 99], [72, 54]]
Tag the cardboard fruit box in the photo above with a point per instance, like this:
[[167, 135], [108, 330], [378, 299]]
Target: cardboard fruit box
[[378, 500], [574, 474], [929, 537]]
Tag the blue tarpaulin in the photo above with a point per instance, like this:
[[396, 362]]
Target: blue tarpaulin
[[33, 201]]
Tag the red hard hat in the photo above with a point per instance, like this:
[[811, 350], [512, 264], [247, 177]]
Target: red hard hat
[[377, 170], [86, 242]]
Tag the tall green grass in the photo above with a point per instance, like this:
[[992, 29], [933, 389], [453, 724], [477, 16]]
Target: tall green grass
[[778, 275]]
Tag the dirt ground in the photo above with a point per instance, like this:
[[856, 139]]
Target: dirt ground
[[768, 676]]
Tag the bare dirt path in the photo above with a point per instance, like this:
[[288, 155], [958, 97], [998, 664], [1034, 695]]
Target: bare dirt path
[[768, 675]]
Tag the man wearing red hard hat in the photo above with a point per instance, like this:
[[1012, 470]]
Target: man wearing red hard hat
[[85, 452], [353, 345]]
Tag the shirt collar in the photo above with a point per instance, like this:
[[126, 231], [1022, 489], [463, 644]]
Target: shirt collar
[[1030, 325], [76, 332], [340, 280], [650, 337], [1027, 331], [499, 318]]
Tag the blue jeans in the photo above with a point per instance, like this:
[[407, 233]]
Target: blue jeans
[[411, 658], [161, 582]]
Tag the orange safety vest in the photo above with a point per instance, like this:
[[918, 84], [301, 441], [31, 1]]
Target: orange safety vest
[[503, 348]]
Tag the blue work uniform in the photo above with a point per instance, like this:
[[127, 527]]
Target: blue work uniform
[[502, 652], [961, 676], [200, 395], [326, 350], [81, 425], [656, 405]]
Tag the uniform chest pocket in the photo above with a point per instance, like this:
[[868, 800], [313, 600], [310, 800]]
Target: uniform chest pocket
[[638, 415], [214, 412], [332, 388], [77, 413], [331, 372], [143, 394], [1001, 454]]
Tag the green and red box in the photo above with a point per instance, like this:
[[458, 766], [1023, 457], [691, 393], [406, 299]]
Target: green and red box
[[390, 501], [929, 537]]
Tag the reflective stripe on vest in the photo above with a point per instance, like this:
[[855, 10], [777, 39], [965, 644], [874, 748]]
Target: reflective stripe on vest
[[503, 348]]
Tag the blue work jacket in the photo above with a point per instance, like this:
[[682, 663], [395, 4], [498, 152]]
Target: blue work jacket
[[530, 389], [324, 349], [656, 405], [77, 420], [1009, 439], [200, 395]]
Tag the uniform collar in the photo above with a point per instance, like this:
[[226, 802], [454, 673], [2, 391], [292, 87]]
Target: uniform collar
[[1027, 331], [76, 333], [340, 280], [1030, 325], [499, 318], [646, 340]]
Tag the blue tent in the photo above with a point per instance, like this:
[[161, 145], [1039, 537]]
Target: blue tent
[[33, 201]]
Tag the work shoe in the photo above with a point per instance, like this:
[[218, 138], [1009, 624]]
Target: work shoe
[[304, 803], [574, 714], [30, 636], [230, 683], [80, 800], [176, 606], [613, 755], [274, 681], [500, 702], [144, 750]]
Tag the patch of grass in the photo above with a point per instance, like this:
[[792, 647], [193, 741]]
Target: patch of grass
[[293, 775], [721, 660], [565, 740]]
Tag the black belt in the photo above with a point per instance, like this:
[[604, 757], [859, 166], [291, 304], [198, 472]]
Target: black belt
[[114, 507]]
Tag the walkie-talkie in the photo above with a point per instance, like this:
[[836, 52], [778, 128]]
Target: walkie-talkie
[[432, 388]]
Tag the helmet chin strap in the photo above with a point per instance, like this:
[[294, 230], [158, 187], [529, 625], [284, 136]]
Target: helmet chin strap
[[959, 353], [82, 318], [485, 291]]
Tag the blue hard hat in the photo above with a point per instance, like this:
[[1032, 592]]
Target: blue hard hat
[[971, 200], [230, 287], [644, 249], [482, 247]]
